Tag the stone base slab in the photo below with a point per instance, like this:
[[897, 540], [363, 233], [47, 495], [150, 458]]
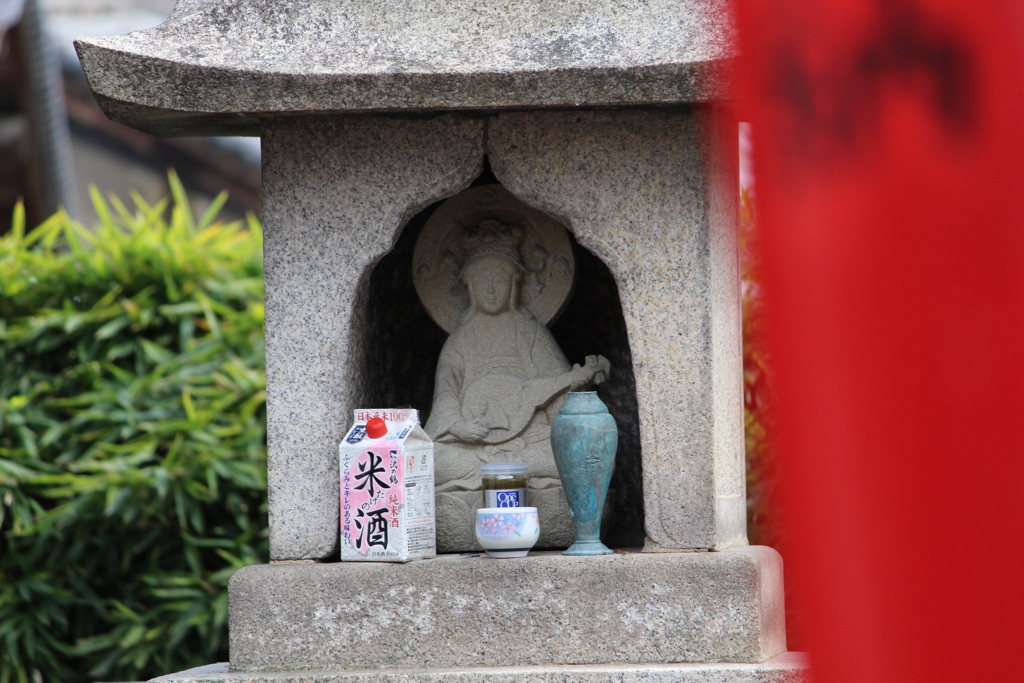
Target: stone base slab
[[790, 667], [542, 610]]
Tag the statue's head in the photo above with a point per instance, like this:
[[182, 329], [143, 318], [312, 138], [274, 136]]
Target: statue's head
[[493, 283], [492, 268]]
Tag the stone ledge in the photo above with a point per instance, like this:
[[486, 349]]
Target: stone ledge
[[790, 667], [546, 609]]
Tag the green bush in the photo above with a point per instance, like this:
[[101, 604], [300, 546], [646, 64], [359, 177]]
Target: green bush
[[132, 438]]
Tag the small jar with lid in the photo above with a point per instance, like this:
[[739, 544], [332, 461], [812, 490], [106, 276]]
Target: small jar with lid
[[505, 484]]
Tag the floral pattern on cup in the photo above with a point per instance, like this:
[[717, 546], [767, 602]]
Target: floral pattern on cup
[[502, 526]]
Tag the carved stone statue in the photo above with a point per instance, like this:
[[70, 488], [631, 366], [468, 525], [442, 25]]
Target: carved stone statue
[[501, 376]]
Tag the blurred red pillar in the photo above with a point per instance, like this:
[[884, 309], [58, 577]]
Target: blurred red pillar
[[888, 152]]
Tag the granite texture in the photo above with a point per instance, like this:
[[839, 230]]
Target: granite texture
[[335, 195], [456, 611], [790, 667], [215, 67], [648, 192]]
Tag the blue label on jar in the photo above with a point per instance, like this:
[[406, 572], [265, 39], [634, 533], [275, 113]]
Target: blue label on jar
[[508, 498]]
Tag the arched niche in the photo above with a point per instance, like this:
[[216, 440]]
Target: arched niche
[[401, 345]]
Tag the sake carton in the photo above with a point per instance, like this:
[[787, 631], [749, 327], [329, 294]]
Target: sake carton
[[387, 488]]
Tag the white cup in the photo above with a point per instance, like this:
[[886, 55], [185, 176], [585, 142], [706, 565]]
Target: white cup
[[507, 532]]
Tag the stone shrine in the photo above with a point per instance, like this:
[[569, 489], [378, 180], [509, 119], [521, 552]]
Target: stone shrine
[[607, 118]]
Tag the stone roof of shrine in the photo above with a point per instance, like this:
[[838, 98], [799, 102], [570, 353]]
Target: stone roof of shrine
[[215, 67]]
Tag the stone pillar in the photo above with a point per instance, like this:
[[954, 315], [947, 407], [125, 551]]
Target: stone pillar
[[652, 193], [336, 192]]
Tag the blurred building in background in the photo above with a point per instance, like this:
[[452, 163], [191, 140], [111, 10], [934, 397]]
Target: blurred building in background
[[55, 142]]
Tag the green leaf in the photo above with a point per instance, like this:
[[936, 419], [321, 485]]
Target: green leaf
[[113, 327], [182, 210], [17, 402], [156, 353], [18, 222], [211, 213]]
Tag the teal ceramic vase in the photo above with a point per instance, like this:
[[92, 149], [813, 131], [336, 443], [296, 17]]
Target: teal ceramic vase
[[584, 439]]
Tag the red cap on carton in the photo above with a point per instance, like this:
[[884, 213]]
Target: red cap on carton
[[376, 428]]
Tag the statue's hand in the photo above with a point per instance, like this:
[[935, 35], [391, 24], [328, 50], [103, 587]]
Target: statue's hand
[[469, 431], [598, 368]]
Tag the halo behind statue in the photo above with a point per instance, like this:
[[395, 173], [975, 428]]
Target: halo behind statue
[[491, 213]]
